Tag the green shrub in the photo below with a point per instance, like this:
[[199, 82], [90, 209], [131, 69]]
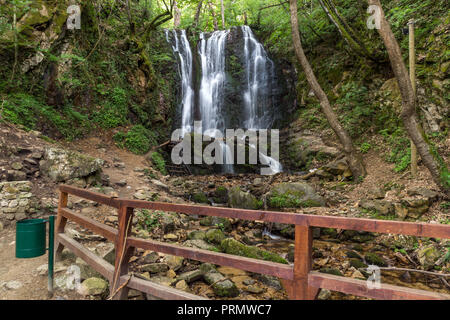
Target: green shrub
[[138, 140], [114, 112], [158, 162]]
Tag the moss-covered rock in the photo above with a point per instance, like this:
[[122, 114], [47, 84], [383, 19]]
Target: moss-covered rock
[[215, 236], [221, 195], [243, 200], [357, 263], [232, 246], [293, 195], [428, 255], [197, 235], [332, 271], [374, 259], [200, 197]]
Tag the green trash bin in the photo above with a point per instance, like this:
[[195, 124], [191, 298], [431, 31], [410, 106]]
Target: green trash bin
[[31, 238]]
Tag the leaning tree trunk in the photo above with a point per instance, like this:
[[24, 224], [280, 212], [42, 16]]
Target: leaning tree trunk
[[354, 160], [428, 153], [344, 29], [176, 15]]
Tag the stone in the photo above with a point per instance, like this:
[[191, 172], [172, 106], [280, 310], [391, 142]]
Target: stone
[[427, 256], [243, 200], [200, 244], [17, 166], [376, 193], [15, 175], [68, 256], [160, 185], [155, 268], [151, 257], [221, 195], [121, 183], [255, 289], [62, 165], [182, 285], [222, 286], [86, 271], [207, 267], [324, 294], [332, 271], [93, 287], [358, 275], [400, 210], [215, 236], [197, 235], [165, 281], [110, 256], [13, 285], [232, 246], [380, 206], [270, 281], [200, 197], [191, 276], [171, 237], [174, 262], [293, 195]]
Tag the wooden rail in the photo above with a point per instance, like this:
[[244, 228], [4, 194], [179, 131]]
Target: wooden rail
[[300, 282]]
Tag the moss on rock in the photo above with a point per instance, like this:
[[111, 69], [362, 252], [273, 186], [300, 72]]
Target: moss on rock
[[232, 246]]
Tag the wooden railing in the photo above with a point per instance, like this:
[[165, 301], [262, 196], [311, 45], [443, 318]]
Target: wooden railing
[[300, 282]]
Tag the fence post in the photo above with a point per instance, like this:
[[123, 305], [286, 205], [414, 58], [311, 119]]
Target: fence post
[[123, 252], [60, 223], [303, 264]]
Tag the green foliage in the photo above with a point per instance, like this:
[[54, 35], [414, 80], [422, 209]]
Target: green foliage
[[158, 162], [114, 112], [365, 147], [400, 151], [138, 139], [147, 219]]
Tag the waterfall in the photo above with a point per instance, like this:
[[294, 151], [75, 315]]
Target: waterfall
[[182, 49], [257, 89], [259, 76], [258, 95], [212, 56]]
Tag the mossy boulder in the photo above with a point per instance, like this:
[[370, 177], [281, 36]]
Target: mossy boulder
[[215, 236], [374, 259], [232, 246], [62, 165], [293, 195], [357, 263], [93, 287], [197, 235], [200, 197], [221, 195], [243, 200], [427, 256], [222, 286]]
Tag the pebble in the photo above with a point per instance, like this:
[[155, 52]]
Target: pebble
[[13, 285]]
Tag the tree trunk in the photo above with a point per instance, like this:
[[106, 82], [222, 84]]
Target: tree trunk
[[197, 13], [176, 15], [354, 160], [344, 29], [130, 18], [223, 14], [213, 14], [428, 153]]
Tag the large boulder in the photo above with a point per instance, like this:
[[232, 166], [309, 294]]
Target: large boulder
[[243, 200], [293, 195], [62, 165], [93, 287]]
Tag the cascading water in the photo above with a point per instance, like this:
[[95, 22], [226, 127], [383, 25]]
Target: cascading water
[[182, 49], [259, 75], [258, 96], [258, 104], [212, 56]]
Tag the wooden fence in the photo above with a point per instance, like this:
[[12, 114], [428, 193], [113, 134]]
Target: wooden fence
[[300, 282]]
